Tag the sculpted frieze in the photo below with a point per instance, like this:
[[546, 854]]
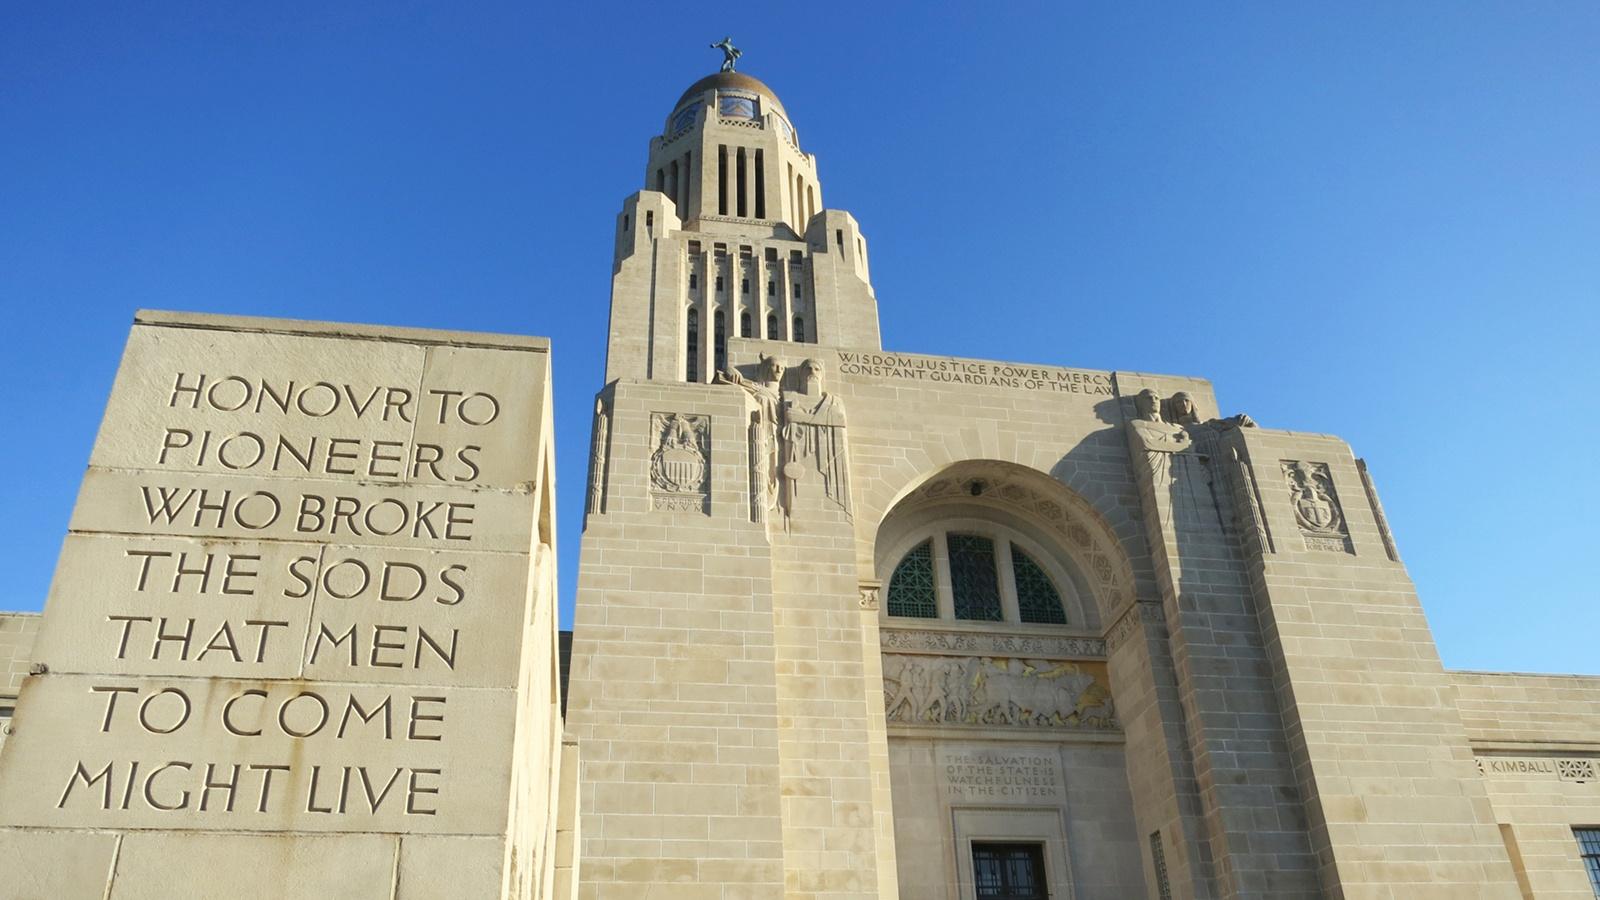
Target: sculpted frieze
[[989, 691], [989, 644]]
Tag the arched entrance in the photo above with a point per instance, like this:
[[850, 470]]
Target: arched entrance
[[1006, 752]]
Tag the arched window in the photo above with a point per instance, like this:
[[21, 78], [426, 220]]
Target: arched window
[[974, 582], [1037, 600], [799, 335], [744, 324], [692, 347], [911, 591], [720, 342], [977, 570], [772, 327]]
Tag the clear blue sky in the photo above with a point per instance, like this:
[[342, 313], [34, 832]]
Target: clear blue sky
[[1379, 220]]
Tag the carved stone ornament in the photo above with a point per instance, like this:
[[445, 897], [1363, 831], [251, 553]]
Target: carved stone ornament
[[996, 691], [1377, 512], [1316, 505], [597, 459], [1247, 504], [680, 464], [870, 592]]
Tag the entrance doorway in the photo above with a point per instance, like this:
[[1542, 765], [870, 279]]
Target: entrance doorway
[[1011, 871]]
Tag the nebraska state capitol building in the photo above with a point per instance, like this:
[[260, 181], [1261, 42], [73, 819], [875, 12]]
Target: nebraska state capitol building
[[850, 623]]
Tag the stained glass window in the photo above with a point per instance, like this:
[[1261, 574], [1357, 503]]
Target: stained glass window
[[1037, 599], [973, 579], [911, 586]]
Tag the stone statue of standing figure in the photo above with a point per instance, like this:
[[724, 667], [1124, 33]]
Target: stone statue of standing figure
[[766, 392], [795, 434], [813, 438]]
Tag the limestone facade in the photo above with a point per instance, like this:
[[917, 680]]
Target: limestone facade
[[857, 623]]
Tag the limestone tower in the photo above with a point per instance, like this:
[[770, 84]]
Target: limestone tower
[[724, 672], [730, 238]]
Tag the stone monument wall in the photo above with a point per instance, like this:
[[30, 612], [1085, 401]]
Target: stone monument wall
[[301, 636]]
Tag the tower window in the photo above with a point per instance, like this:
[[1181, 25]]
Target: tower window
[[761, 186], [744, 324], [694, 280], [743, 163], [797, 290], [744, 286], [772, 289], [772, 327], [683, 185], [720, 339], [799, 335], [691, 345], [649, 219], [722, 179], [838, 237], [911, 591], [719, 284], [795, 258]]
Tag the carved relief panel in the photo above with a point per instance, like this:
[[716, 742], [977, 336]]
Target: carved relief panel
[[997, 692], [597, 459], [680, 462], [1316, 506]]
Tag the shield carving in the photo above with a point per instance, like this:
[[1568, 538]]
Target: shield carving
[[1315, 511], [678, 464], [1311, 493], [679, 468]]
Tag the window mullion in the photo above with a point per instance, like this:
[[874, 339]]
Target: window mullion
[[1008, 580], [944, 591]]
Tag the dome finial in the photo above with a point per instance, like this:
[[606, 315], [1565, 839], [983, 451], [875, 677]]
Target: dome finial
[[730, 53]]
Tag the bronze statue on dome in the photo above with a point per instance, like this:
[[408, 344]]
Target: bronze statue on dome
[[730, 53]]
